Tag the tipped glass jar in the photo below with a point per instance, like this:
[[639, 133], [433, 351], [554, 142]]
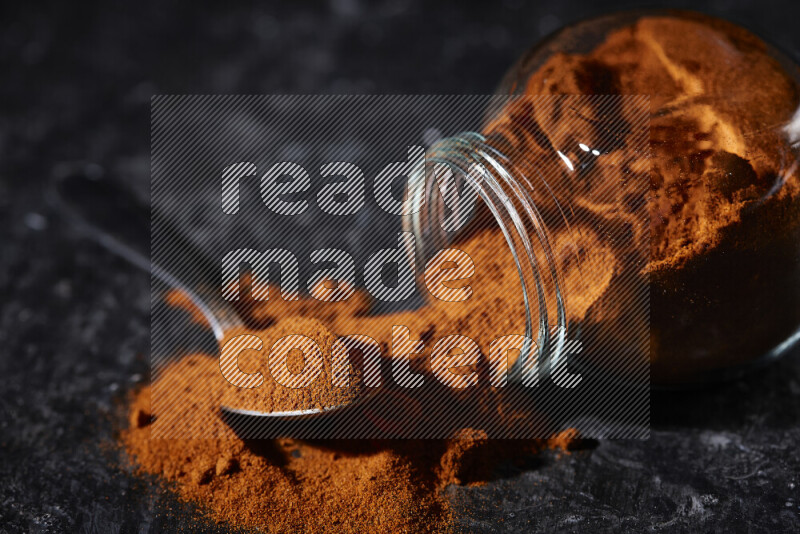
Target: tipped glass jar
[[696, 230]]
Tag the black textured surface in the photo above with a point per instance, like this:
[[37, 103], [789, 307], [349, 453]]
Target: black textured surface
[[73, 322]]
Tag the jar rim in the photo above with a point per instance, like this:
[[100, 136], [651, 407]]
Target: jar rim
[[500, 188]]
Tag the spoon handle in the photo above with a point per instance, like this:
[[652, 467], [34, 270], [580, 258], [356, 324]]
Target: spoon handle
[[110, 215]]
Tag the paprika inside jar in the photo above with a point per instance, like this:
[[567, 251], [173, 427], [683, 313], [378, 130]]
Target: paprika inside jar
[[664, 221]]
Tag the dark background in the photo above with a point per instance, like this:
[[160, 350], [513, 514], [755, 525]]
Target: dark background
[[77, 79]]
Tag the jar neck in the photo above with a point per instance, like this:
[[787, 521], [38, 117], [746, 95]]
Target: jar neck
[[467, 162]]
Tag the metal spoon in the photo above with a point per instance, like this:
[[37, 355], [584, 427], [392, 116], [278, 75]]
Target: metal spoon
[[110, 215]]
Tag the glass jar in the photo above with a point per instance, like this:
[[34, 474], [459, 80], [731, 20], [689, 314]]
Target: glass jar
[[701, 224]]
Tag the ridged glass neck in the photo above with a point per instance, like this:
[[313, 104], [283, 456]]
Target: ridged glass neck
[[475, 162]]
